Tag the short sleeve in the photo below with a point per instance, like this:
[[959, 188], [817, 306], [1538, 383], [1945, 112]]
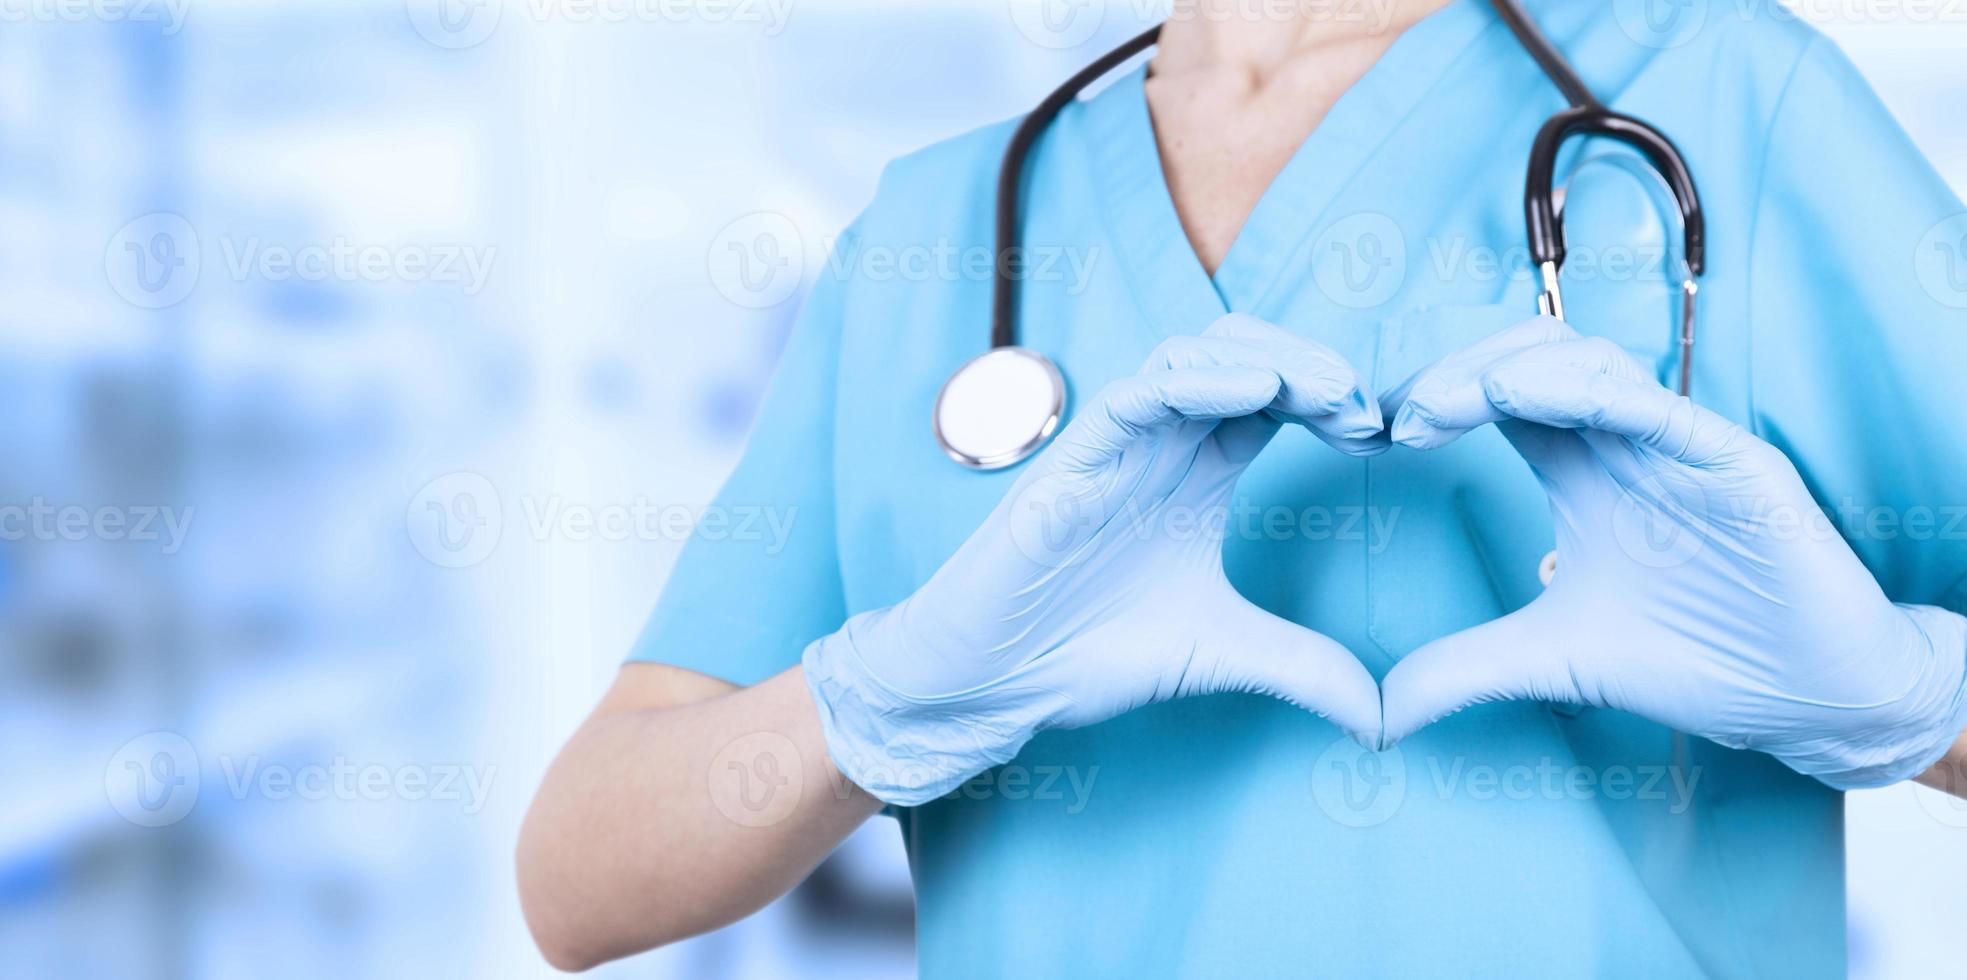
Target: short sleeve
[[759, 577], [1858, 305]]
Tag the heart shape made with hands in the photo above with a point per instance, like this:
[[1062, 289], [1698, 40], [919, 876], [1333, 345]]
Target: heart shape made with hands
[[1749, 622], [1057, 612]]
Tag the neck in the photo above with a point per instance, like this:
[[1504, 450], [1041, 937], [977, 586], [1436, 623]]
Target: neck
[[1261, 38]]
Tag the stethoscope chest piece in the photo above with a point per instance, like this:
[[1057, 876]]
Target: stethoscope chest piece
[[999, 408]]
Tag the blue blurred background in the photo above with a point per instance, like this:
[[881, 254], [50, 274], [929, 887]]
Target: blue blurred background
[[326, 322]]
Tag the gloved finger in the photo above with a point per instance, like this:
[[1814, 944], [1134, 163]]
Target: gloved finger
[[1507, 659], [1442, 401], [1321, 390], [1129, 408], [1243, 438], [1593, 384], [1315, 383], [1556, 456], [1260, 653], [1357, 427]]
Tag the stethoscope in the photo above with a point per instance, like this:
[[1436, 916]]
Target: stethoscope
[[1001, 406]]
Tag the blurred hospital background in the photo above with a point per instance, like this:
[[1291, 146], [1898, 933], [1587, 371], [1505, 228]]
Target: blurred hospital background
[[352, 350]]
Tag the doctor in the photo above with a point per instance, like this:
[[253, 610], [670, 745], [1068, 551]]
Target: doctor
[[1252, 671]]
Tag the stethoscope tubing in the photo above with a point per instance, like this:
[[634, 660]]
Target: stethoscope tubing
[[1010, 182], [1543, 217]]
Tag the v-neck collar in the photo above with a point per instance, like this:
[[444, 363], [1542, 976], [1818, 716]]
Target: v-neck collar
[[1176, 295]]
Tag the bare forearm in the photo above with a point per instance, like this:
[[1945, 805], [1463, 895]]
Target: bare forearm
[[1950, 773], [659, 823]]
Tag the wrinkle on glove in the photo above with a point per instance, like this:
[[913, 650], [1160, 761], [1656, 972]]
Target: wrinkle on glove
[[1096, 585], [1698, 584]]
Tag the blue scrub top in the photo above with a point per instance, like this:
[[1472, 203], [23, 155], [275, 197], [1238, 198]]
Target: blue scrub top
[[1235, 835]]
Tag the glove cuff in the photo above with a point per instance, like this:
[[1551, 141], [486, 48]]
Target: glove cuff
[[1930, 717], [903, 750]]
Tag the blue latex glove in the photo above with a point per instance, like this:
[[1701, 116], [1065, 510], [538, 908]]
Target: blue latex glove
[[1697, 584], [1096, 585]]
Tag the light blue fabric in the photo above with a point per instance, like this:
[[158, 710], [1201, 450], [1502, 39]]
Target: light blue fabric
[[1237, 835]]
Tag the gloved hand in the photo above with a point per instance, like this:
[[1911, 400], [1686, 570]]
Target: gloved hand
[[1096, 585], [1697, 584]]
